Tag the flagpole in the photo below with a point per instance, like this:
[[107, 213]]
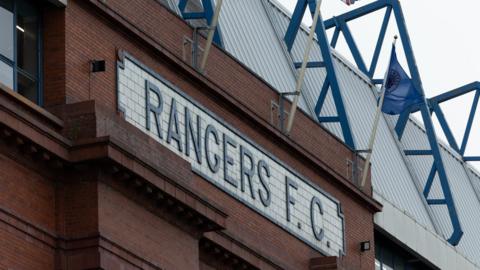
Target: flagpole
[[211, 34], [298, 86], [375, 125]]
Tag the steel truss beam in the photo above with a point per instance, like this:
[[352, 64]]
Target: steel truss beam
[[207, 14], [434, 104], [340, 25], [331, 79]]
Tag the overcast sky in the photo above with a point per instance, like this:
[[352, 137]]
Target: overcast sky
[[445, 36]]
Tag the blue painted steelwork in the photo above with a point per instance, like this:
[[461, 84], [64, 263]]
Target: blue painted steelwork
[[207, 14], [434, 104], [314, 64], [340, 25], [381, 38], [331, 80], [353, 46], [418, 152]]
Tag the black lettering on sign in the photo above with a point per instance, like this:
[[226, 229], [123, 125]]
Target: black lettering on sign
[[173, 130], [228, 160], [196, 138], [289, 183], [263, 167], [246, 172], [316, 202], [215, 164], [150, 108]]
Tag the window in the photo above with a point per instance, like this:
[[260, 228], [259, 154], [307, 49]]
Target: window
[[19, 47], [390, 256]]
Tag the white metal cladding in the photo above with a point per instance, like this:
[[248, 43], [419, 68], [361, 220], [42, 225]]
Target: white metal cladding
[[462, 182], [131, 83], [248, 36], [431, 246]]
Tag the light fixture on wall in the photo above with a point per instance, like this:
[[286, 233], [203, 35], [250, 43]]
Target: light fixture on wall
[[98, 66], [365, 246], [21, 29]]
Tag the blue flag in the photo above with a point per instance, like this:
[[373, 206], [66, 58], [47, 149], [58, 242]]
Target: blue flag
[[400, 93]]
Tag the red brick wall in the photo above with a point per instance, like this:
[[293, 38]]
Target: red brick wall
[[54, 56], [27, 211], [22, 190], [20, 251], [95, 224], [141, 232]]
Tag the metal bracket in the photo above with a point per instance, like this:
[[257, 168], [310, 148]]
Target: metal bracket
[[353, 169], [195, 49], [281, 108]]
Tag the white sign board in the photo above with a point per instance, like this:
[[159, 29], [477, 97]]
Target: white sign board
[[234, 163]]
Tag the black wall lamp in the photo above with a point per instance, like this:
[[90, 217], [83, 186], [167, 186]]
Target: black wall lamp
[[98, 66], [364, 246]]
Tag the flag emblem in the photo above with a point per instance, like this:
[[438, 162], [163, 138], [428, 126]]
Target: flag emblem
[[393, 81]]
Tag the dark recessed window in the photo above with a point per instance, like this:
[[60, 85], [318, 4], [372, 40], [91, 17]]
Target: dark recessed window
[[19, 47]]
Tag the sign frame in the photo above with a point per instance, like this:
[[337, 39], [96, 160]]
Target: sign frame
[[123, 55]]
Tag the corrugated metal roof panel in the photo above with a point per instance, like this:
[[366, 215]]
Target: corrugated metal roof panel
[[249, 36]]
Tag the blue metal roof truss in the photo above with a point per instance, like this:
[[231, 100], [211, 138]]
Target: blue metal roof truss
[[340, 24], [434, 104]]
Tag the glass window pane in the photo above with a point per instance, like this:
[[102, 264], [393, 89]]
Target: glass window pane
[[387, 259], [6, 4], [27, 87], [6, 75], [399, 263], [27, 26], [6, 29]]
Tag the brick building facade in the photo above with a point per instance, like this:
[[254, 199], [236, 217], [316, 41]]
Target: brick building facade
[[82, 188]]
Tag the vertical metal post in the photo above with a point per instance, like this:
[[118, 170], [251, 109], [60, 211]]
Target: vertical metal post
[[281, 112], [195, 48]]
